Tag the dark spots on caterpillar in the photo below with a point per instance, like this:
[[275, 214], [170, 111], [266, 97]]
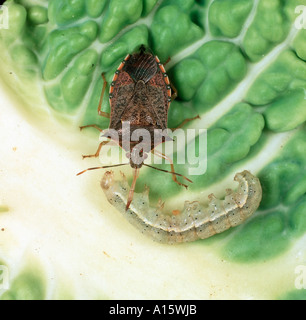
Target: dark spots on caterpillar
[[206, 226]]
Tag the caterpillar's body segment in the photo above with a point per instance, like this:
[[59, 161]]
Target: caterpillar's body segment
[[195, 220]]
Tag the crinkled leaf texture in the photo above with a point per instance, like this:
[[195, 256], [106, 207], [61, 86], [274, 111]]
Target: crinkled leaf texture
[[239, 64]]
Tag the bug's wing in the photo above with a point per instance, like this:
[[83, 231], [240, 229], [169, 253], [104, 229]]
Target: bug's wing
[[141, 67], [122, 94], [158, 95], [139, 111]]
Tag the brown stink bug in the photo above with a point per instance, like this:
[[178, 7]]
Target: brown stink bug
[[140, 96]]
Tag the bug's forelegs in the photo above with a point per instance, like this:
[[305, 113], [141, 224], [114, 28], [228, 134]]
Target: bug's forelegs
[[174, 92], [131, 192], [100, 112], [98, 150], [91, 126]]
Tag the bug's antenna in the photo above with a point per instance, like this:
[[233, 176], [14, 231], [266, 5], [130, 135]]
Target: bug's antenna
[[104, 167], [178, 174]]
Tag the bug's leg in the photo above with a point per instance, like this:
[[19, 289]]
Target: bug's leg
[[103, 143], [184, 122], [91, 126], [167, 61], [174, 92], [174, 96], [131, 192], [100, 112], [172, 167]]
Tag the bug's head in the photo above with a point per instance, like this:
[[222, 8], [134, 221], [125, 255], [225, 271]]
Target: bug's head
[[137, 156]]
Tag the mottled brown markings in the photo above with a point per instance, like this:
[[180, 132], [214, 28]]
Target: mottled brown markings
[[140, 95]]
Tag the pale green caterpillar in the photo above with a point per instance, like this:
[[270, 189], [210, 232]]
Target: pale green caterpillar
[[195, 221]]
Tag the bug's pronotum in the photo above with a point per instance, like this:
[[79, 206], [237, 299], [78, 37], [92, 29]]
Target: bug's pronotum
[[195, 221]]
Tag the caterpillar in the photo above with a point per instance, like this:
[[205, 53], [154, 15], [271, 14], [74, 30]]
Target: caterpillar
[[195, 221]]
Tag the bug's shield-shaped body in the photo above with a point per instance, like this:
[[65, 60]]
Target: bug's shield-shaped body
[[195, 221], [140, 93]]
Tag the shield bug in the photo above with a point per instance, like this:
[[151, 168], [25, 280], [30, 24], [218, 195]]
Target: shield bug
[[140, 95]]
